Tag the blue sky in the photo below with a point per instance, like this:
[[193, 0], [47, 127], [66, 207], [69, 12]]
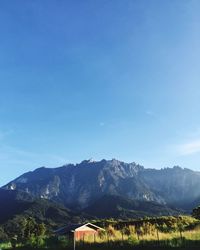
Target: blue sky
[[99, 79]]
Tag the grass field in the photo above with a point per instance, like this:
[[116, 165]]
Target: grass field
[[165, 233], [190, 240]]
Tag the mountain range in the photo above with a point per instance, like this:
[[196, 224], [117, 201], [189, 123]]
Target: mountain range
[[111, 188]]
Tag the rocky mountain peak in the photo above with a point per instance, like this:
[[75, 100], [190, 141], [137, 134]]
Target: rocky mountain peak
[[81, 184]]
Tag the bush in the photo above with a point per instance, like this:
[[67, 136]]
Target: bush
[[196, 213], [57, 242]]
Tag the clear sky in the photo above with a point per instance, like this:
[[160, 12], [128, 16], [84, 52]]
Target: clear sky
[[99, 79]]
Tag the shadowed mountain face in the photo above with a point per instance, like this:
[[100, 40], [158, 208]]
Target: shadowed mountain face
[[22, 204], [80, 185], [111, 206], [12, 203]]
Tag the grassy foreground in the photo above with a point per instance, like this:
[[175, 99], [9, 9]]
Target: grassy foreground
[[165, 233], [190, 240], [175, 244]]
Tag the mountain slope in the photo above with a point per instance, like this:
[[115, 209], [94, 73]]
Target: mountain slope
[[119, 207], [179, 187], [78, 186], [21, 204]]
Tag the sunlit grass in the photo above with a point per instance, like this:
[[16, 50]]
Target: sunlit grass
[[193, 235], [156, 233], [5, 245]]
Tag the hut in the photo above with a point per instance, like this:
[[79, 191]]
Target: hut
[[79, 231]]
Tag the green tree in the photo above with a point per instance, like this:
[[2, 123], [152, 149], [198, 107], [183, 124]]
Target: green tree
[[30, 229], [26, 231], [16, 227], [196, 213], [3, 235]]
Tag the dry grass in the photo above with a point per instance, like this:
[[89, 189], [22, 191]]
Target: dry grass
[[193, 235]]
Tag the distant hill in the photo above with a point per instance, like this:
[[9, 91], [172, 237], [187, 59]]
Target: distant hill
[[79, 186], [110, 206], [19, 203]]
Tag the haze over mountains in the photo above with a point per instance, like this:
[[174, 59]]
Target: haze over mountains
[[134, 190]]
